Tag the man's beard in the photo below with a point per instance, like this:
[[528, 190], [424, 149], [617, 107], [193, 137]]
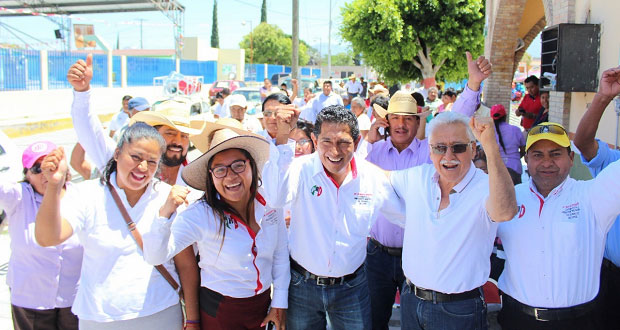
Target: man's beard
[[173, 161]]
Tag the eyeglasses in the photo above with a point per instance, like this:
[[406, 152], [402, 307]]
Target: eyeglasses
[[269, 114], [549, 128], [457, 148], [237, 166], [36, 168], [303, 142]]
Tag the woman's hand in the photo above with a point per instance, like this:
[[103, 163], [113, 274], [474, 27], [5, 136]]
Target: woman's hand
[[178, 195], [54, 167], [277, 316]]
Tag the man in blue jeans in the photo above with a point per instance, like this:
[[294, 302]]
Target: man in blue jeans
[[597, 155], [402, 150]]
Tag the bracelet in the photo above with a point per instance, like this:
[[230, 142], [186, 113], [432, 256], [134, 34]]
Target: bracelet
[[192, 322]]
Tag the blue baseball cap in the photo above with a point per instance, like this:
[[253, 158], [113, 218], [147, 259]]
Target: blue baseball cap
[[139, 104]]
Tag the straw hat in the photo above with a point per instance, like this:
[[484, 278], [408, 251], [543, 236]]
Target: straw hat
[[172, 113], [379, 90], [402, 103], [219, 136]]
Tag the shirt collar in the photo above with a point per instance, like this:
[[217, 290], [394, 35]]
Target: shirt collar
[[556, 191], [413, 146], [463, 183], [318, 167]]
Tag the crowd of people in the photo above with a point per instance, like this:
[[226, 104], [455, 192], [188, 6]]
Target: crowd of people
[[318, 215]]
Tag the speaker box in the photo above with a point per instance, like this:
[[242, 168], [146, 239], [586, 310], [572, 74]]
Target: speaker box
[[58, 34], [570, 57]]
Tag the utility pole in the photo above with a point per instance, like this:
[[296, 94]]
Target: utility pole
[[295, 66], [329, 43], [141, 45]]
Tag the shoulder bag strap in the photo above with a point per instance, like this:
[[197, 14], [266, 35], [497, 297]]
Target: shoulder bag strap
[[138, 238]]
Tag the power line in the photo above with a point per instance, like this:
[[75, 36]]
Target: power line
[[278, 12]]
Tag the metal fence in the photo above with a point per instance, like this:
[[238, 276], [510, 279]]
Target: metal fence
[[142, 70], [116, 71], [20, 70], [58, 64], [206, 69], [256, 72]]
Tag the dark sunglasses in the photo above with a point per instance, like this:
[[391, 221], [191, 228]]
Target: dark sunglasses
[[36, 168], [549, 128], [221, 171], [457, 148]]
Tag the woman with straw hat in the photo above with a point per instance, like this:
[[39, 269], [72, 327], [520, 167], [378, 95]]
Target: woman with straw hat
[[242, 242]]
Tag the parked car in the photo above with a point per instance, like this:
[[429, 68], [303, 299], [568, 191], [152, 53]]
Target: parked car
[[219, 85], [252, 96], [277, 77]]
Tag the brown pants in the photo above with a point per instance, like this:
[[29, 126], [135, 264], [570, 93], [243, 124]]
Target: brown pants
[[218, 312], [46, 319]]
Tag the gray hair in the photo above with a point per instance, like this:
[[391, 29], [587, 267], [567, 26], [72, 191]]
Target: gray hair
[[450, 118], [433, 89], [360, 101]]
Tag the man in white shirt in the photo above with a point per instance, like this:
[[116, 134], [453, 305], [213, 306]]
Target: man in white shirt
[[121, 118], [353, 87], [238, 107], [334, 199], [223, 110], [452, 210], [554, 247], [321, 101]]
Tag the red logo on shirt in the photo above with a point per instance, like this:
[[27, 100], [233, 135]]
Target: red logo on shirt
[[316, 191], [521, 211]]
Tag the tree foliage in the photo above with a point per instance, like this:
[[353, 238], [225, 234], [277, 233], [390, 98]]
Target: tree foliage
[[412, 39], [263, 12], [272, 46], [215, 38]]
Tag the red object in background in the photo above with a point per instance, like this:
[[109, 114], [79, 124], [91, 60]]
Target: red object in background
[[219, 85]]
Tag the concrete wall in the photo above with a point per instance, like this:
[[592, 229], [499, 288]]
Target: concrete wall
[[604, 13], [228, 60]]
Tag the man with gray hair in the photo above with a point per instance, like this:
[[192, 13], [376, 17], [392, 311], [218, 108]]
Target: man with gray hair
[[451, 223], [432, 99], [358, 107]]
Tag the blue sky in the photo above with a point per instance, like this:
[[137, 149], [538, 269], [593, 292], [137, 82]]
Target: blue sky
[[157, 29]]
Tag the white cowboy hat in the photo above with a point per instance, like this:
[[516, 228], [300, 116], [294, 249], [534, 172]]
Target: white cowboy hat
[[402, 103], [172, 113]]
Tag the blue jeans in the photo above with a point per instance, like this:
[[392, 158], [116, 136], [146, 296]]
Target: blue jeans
[[385, 275], [347, 305], [418, 314]]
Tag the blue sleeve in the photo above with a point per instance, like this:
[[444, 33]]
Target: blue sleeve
[[604, 157]]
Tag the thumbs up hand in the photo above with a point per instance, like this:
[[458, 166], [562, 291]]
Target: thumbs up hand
[[81, 73]]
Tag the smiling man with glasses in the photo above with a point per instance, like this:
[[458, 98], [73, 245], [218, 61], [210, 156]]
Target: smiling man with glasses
[[451, 222]]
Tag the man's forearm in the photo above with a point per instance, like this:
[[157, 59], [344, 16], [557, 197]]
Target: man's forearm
[[502, 204], [588, 125]]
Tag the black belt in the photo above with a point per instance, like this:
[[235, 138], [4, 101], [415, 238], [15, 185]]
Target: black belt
[[435, 296], [552, 314], [611, 266], [322, 280], [395, 252]]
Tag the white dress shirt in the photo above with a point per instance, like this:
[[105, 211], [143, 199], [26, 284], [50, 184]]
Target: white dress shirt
[[446, 251], [244, 265], [320, 102], [353, 87], [554, 246], [38, 277], [116, 283], [119, 120], [330, 224]]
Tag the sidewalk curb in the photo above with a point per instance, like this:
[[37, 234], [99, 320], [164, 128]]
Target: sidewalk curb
[[44, 126]]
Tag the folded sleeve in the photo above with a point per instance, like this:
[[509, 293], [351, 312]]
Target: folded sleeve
[[604, 194], [278, 181], [467, 102], [281, 273]]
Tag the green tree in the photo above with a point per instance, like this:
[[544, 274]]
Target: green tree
[[215, 38], [263, 12], [413, 39], [339, 59], [272, 46]]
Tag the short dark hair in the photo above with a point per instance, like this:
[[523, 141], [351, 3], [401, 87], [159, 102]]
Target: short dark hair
[[419, 98], [449, 92], [226, 91], [219, 95], [307, 127], [339, 115], [280, 97], [127, 97], [532, 79], [328, 82], [544, 92], [381, 100]]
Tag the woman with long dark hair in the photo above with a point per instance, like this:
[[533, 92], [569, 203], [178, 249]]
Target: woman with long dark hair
[[118, 289], [43, 280], [242, 242], [511, 142]]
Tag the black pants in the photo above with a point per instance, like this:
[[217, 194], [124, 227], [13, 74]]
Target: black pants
[[610, 292], [46, 319], [512, 318]]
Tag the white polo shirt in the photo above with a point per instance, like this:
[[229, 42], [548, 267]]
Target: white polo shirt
[[116, 283], [330, 224], [554, 246], [244, 265], [449, 250]]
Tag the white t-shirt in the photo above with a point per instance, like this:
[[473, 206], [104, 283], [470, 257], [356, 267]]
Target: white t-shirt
[[251, 124], [116, 283], [244, 265], [118, 121], [363, 122]]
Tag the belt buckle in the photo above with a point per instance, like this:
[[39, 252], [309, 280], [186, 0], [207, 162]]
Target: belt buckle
[[536, 313], [325, 281]]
